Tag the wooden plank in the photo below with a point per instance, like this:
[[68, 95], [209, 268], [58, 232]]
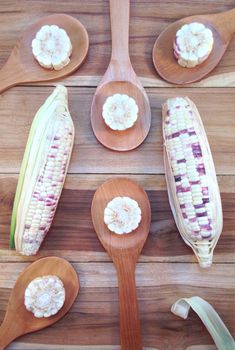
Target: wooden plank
[[218, 80], [72, 235], [25, 346], [94, 320], [18, 106], [147, 22], [167, 269]]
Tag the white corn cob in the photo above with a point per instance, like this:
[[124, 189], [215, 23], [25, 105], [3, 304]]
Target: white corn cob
[[193, 44], [43, 173], [52, 47], [122, 215], [192, 185], [120, 112], [44, 296]]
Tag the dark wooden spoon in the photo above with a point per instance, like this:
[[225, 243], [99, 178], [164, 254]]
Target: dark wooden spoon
[[223, 28], [120, 78], [21, 67], [18, 320], [124, 250]]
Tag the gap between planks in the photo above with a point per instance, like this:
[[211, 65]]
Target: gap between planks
[[216, 81], [31, 346]]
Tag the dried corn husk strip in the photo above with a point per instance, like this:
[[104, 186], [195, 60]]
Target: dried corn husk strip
[[215, 326], [202, 245], [43, 173]]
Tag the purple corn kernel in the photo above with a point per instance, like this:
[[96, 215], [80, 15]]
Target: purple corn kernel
[[196, 233], [206, 227], [205, 191], [179, 189], [206, 200], [197, 152], [201, 169], [182, 206], [184, 215], [177, 178], [200, 215], [191, 133], [184, 131], [193, 219], [186, 189], [181, 161], [175, 134], [199, 206], [194, 182]]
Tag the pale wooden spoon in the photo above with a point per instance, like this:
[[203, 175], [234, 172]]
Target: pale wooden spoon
[[223, 28], [120, 78], [18, 320], [124, 250], [21, 67]]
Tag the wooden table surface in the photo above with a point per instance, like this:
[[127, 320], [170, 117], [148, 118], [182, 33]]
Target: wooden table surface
[[167, 269]]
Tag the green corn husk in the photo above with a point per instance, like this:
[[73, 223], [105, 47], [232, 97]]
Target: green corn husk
[[210, 318], [52, 118]]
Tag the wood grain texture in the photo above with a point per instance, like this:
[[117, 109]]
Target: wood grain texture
[[18, 320], [72, 235], [221, 25], [120, 78], [167, 269], [22, 66], [124, 251], [94, 315], [148, 19], [19, 105]]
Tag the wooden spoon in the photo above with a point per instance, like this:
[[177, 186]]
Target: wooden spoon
[[124, 250], [120, 78], [222, 26], [22, 67], [18, 320]]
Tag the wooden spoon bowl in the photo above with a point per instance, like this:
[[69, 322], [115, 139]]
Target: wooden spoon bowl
[[120, 78], [120, 140], [163, 56], [22, 67], [18, 320], [124, 250]]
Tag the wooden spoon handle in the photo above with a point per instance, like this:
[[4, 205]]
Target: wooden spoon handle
[[9, 331], [226, 20], [119, 15], [129, 314]]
